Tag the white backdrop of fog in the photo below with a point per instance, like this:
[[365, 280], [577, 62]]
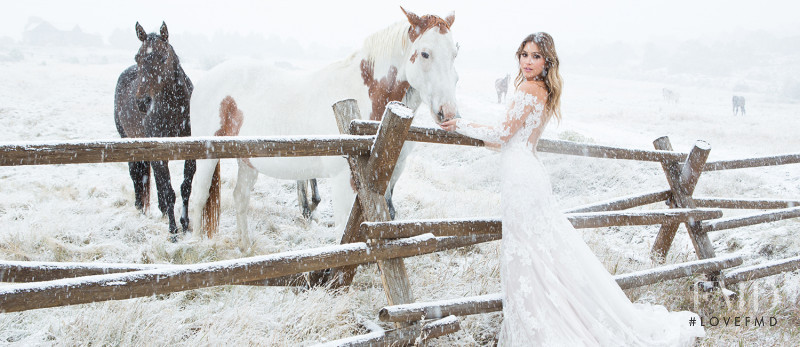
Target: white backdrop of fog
[[730, 41]]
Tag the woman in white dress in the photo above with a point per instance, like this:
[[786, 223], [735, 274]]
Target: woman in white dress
[[556, 292]]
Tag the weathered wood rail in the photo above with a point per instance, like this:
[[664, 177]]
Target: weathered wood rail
[[468, 227], [411, 335], [180, 148], [372, 149], [118, 286], [493, 302], [449, 234]]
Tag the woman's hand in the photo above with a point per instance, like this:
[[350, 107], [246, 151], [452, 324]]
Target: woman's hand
[[449, 125]]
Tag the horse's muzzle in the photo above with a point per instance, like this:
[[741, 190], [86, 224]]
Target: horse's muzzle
[[446, 113]]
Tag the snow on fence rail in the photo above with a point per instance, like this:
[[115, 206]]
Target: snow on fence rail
[[452, 233], [415, 335], [762, 270], [470, 227], [758, 218], [177, 148], [784, 159], [493, 302], [26, 296]]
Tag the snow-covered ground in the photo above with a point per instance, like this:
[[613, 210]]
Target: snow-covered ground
[[85, 212]]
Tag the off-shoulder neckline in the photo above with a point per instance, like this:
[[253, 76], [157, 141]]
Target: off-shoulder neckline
[[526, 94]]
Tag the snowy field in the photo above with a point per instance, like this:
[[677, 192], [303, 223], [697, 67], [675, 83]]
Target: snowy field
[[85, 213]]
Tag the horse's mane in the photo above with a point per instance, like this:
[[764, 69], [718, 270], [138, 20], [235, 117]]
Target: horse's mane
[[383, 44]]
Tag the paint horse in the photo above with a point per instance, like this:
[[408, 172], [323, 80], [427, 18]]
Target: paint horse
[[152, 100], [501, 86], [738, 105], [411, 61]]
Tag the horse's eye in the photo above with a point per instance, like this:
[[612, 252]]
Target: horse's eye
[[426, 55]]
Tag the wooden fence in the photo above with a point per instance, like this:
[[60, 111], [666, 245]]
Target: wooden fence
[[372, 149]]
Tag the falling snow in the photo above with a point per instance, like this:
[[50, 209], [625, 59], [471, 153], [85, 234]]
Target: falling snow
[[85, 213]]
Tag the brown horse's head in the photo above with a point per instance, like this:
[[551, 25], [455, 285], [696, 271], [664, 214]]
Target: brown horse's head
[[156, 62]]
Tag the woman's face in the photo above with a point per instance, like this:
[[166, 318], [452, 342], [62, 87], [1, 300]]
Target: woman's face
[[531, 61]]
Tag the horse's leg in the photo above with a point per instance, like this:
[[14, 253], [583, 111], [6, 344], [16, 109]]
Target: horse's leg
[[388, 196], [241, 196], [166, 196], [201, 189], [315, 198], [398, 170], [189, 168], [302, 197], [140, 175], [342, 197]]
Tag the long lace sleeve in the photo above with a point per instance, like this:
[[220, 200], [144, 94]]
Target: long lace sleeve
[[523, 109]]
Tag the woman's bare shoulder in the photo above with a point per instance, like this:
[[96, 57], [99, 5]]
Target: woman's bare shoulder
[[535, 89]]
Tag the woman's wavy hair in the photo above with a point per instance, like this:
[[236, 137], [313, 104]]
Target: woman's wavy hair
[[550, 74]]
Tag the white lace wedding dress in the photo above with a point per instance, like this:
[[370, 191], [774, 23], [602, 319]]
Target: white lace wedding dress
[[556, 292]]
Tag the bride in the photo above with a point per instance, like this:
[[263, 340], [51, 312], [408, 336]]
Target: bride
[[556, 292]]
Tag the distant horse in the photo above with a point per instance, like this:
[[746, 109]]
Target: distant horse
[[501, 86], [738, 105], [670, 96], [152, 100], [411, 61]]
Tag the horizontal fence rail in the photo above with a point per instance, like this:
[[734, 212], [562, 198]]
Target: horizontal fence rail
[[176, 148], [737, 222], [755, 204], [221, 147], [415, 335], [624, 203], [119, 286], [493, 302], [783, 159], [762, 270], [493, 226], [433, 135], [34, 271]]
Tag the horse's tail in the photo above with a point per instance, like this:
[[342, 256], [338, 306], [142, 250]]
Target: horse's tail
[[230, 123], [211, 209]]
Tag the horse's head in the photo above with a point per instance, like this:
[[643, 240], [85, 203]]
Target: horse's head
[[429, 67], [156, 61]]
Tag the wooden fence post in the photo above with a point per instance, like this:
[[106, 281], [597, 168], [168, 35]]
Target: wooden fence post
[[345, 112], [682, 181], [371, 175]]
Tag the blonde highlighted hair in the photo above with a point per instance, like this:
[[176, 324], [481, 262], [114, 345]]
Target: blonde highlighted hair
[[552, 78]]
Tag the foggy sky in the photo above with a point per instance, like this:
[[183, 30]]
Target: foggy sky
[[488, 24]]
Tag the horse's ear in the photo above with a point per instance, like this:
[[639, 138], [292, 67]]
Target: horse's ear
[[164, 32], [412, 18], [416, 25], [140, 33], [450, 19]]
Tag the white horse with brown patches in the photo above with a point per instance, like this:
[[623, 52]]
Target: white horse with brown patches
[[411, 61]]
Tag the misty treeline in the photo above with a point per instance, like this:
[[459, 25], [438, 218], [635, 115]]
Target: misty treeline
[[749, 57], [748, 61]]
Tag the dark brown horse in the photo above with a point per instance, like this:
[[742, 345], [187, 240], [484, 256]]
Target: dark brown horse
[[152, 100]]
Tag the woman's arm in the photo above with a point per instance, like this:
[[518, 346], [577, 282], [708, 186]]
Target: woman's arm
[[497, 135]]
